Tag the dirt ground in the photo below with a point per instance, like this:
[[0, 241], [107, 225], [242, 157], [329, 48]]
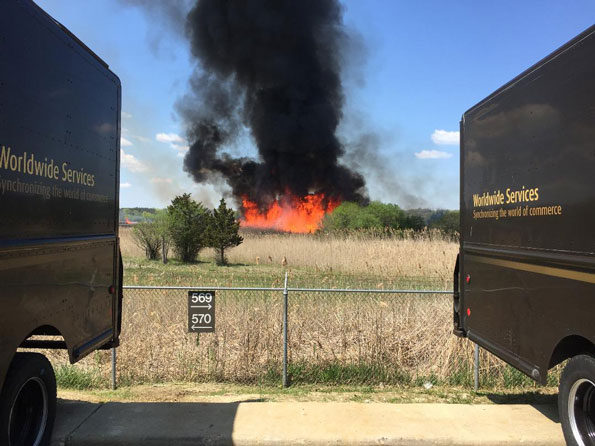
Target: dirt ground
[[225, 393]]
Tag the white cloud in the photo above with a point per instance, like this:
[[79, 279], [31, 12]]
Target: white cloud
[[126, 115], [175, 141], [169, 137], [158, 180], [444, 137], [131, 163], [125, 185], [124, 142], [142, 138], [432, 154], [180, 147]]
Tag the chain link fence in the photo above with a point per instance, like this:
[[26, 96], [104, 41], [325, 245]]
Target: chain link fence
[[370, 337], [366, 336]]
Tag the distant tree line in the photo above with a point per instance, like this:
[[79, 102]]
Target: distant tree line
[[379, 216], [137, 214], [188, 227], [446, 221]]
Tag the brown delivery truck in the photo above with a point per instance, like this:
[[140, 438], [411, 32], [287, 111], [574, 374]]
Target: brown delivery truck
[[60, 274], [525, 275]]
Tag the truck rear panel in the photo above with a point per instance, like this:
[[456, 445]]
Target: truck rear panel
[[527, 258], [59, 180]]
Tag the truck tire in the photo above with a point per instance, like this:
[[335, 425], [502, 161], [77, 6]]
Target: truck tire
[[28, 401], [576, 401]]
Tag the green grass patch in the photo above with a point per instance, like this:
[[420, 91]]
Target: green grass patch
[[336, 373], [462, 375], [73, 377], [138, 271]]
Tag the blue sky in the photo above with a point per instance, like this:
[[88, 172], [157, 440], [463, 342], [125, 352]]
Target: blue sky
[[426, 62]]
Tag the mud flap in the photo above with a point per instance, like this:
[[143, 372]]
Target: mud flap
[[458, 328]]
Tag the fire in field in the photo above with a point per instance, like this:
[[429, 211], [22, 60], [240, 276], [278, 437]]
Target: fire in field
[[270, 70], [289, 214]]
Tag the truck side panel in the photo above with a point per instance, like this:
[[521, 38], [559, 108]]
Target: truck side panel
[[59, 164], [58, 127], [528, 210]]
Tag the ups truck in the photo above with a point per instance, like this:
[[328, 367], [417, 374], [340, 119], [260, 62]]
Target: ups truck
[[525, 275], [60, 274]]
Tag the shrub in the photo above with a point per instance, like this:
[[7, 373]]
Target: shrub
[[147, 237], [187, 223]]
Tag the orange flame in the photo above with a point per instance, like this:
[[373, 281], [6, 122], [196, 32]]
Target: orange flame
[[289, 213]]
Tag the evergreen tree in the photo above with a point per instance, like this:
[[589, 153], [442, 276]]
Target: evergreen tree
[[223, 231], [188, 222]]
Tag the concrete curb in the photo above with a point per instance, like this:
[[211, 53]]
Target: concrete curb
[[251, 423]]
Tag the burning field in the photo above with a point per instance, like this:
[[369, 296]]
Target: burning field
[[270, 72], [288, 214]]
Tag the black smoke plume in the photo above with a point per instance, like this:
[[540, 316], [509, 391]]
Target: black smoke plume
[[272, 67]]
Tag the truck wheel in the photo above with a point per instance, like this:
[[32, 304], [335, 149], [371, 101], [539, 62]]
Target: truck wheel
[[576, 401], [28, 401]]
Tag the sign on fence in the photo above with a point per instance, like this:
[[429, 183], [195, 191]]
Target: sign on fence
[[201, 311]]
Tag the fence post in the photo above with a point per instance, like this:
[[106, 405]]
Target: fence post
[[476, 368], [285, 293], [113, 368]]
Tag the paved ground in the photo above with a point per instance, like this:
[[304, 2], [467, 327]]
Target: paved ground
[[248, 423]]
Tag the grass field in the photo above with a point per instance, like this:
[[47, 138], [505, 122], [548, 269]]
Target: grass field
[[426, 258], [335, 339]]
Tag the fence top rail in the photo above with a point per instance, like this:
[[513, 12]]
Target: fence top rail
[[199, 288], [308, 290], [375, 291]]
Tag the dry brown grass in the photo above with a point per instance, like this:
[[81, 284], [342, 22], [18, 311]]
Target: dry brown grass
[[333, 337], [410, 334], [422, 256], [360, 339], [128, 246], [427, 254]]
